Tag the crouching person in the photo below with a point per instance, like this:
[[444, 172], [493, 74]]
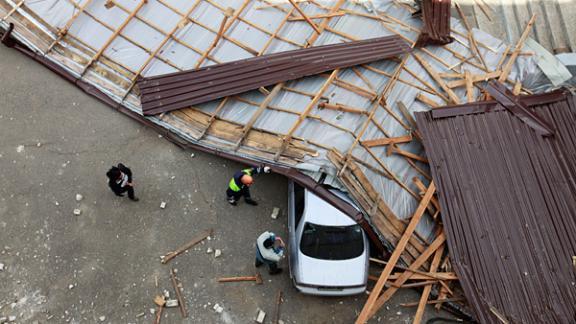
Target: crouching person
[[269, 250]]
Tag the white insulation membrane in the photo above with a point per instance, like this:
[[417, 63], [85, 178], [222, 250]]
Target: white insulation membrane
[[110, 43]]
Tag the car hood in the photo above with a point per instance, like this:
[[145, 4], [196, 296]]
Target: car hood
[[317, 272]]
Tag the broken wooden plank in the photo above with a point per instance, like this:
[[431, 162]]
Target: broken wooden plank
[[453, 97], [387, 141], [440, 239], [344, 108], [426, 100], [197, 239], [469, 86], [432, 302], [475, 78], [400, 246], [276, 318], [178, 294], [508, 66], [326, 15], [428, 288]]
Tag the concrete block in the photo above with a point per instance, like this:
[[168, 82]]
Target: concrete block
[[217, 253], [260, 316], [79, 197], [162, 205], [171, 303], [275, 212], [77, 212]]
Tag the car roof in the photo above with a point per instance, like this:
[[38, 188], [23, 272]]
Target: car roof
[[320, 212]]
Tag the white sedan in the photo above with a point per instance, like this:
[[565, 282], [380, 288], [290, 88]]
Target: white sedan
[[328, 251]]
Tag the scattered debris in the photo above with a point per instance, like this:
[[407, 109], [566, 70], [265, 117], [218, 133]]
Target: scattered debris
[[192, 155], [217, 253], [20, 148], [11, 318], [199, 238], [77, 211], [209, 250], [171, 303], [218, 308], [275, 213], [71, 286], [162, 205], [142, 314], [79, 197], [260, 316], [257, 278], [2, 266], [102, 318]]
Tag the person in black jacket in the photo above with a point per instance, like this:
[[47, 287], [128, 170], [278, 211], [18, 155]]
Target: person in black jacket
[[120, 181]]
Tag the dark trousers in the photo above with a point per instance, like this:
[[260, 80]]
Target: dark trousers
[[235, 195], [130, 191]]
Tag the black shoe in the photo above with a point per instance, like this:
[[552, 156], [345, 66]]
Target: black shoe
[[135, 199], [251, 202], [258, 263], [275, 271], [232, 202]]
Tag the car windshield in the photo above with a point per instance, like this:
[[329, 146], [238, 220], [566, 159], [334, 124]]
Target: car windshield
[[332, 242]]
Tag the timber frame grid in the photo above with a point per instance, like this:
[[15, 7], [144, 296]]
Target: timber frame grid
[[288, 148]]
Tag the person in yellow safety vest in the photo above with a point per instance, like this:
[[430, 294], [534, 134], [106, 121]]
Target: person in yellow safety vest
[[240, 183]]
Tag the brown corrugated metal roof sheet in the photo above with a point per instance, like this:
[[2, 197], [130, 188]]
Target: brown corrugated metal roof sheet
[[436, 18], [184, 89], [508, 198]]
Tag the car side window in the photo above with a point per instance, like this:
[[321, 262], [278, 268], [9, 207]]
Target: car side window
[[298, 202]]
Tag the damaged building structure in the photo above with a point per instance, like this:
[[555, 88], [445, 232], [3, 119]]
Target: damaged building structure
[[454, 141]]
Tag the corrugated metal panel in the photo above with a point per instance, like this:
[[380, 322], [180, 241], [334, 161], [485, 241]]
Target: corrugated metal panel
[[436, 18], [184, 89], [508, 206]]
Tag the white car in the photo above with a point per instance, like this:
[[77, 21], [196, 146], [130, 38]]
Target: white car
[[328, 251]]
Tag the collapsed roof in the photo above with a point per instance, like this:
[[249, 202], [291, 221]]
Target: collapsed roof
[[351, 128], [509, 213]]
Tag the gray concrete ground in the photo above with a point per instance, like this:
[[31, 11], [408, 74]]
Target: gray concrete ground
[[103, 265]]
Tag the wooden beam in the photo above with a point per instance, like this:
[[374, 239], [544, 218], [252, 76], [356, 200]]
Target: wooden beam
[[13, 10], [432, 302], [469, 86], [407, 154], [510, 64], [221, 31], [113, 36], [400, 246], [310, 22], [387, 141], [426, 100], [475, 78], [453, 97], [158, 48], [307, 110], [258, 112], [275, 33], [326, 15], [340, 107], [181, 301], [428, 288], [440, 239], [197, 239], [438, 276], [64, 30], [471, 40]]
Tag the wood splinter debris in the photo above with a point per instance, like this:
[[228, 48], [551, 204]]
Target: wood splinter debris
[[256, 278], [199, 238]]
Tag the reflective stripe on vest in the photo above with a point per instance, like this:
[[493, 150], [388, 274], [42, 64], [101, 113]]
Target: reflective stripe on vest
[[233, 186]]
